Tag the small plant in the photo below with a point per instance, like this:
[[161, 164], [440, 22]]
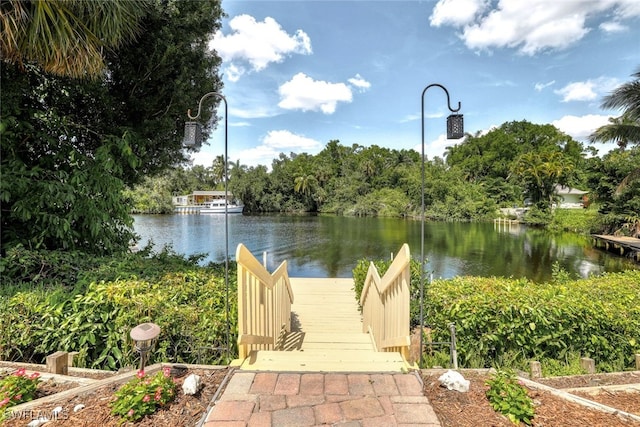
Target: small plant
[[17, 388], [143, 395], [570, 365], [559, 275], [507, 396]]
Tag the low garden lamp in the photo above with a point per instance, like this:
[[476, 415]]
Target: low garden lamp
[[144, 336]]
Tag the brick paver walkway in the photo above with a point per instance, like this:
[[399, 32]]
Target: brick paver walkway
[[260, 399]]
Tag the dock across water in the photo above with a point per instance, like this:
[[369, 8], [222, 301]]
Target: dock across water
[[628, 246]]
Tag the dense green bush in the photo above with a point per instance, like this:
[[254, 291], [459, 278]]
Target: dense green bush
[[94, 319], [575, 220], [505, 321], [598, 317]]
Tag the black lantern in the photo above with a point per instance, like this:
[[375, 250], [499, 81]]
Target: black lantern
[[455, 126], [192, 134], [144, 337]]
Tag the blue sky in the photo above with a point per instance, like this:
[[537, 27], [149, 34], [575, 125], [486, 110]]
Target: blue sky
[[298, 74]]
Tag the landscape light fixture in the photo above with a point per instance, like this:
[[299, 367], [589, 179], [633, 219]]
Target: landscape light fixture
[[193, 138], [455, 130], [144, 336]]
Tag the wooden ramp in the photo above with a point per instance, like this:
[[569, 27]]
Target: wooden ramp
[[326, 334]]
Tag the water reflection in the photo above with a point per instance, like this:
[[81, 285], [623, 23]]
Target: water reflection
[[330, 246]]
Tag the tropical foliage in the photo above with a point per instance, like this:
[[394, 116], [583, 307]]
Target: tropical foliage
[[622, 193], [66, 38], [70, 146], [92, 311], [497, 318]]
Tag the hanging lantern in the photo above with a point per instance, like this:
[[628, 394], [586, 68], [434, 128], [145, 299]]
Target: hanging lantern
[[192, 134], [455, 126]]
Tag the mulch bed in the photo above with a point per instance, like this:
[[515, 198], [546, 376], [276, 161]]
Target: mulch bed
[[472, 409], [184, 410], [453, 408]]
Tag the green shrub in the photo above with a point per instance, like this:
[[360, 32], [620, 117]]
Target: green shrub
[[557, 368], [95, 319], [538, 216], [509, 397], [575, 220], [598, 317], [143, 395]]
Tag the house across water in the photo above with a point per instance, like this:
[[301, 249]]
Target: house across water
[[571, 198]]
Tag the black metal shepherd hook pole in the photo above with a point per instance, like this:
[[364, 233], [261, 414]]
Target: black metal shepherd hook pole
[[455, 130], [193, 137]]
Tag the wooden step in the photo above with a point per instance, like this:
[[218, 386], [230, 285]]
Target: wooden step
[[320, 340], [324, 361]]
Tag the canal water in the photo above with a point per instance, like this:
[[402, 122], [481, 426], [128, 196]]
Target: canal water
[[330, 246]]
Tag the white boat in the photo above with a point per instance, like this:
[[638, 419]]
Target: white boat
[[218, 207]]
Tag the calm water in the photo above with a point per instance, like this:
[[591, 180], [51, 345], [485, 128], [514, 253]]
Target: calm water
[[329, 246]]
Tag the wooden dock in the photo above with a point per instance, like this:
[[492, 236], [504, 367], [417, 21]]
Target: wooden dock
[[326, 334], [628, 246]]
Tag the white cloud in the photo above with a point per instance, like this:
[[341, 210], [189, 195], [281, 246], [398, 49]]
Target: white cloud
[[529, 26], [413, 117], [540, 86], [613, 27], [203, 158], [578, 91], [438, 146], [588, 90], [456, 12], [240, 124], [253, 111], [304, 93], [257, 43], [276, 142], [627, 9], [580, 127], [359, 82], [234, 72], [270, 147]]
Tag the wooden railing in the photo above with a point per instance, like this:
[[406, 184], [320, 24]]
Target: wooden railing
[[385, 305], [264, 303]]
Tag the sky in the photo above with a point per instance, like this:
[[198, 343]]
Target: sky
[[300, 73]]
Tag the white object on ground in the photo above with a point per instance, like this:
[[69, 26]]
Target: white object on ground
[[38, 422], [191, 384], [453, 380], [78, 407]]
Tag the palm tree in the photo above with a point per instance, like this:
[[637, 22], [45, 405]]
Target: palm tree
[[626, 128], [305, 184], [540, 173], [66, 37], [218, 169], [621, 130]]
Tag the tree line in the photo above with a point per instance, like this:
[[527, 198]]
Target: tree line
[[515, 163]]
